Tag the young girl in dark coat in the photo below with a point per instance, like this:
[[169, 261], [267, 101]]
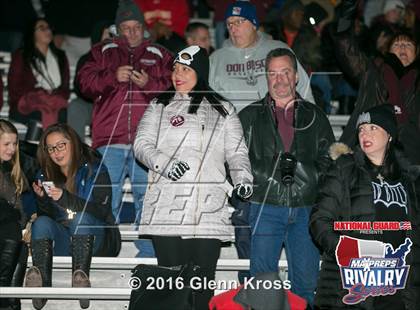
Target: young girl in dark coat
[[73, 206]]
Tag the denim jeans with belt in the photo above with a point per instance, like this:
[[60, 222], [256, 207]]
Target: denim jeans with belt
[[83, 223], [275, 226]]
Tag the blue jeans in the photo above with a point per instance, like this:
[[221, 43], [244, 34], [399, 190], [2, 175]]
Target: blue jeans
[[273, 226], [121, 162], [240, 220], [83, 223]]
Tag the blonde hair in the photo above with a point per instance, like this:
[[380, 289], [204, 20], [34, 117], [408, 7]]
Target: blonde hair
[[17, 174]]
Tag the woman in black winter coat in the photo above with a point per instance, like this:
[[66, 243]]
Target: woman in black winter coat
[[370, 185], [12, 219]]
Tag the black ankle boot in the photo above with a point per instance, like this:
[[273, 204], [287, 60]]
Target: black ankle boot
[[19, 274], [40, 274], [81, 251], [9, 255]]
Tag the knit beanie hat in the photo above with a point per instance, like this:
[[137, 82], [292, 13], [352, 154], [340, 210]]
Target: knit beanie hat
[[128, 10], [243, 9], [382, 115], [196, 58]]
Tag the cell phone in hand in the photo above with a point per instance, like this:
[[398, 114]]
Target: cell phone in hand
[[47, 185]]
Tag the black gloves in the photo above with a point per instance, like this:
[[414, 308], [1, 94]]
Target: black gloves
[[244, 191], [177, 170]]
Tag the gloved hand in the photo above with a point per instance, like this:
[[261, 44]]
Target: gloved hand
[[244, 191], [177, 170], [346, 15]]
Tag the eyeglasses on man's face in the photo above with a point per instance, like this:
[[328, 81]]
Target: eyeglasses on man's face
[[59, 147], [236, 22]]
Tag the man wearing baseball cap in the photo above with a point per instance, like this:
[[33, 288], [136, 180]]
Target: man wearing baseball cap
[[237, 70], [122, 76]]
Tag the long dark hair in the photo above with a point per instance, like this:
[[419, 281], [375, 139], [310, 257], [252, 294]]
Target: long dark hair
[[201, 90], [31, 53], [390, 168], [81, 153]]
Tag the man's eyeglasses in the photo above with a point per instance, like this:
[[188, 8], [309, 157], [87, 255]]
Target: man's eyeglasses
[[61, 146], [236, 23]]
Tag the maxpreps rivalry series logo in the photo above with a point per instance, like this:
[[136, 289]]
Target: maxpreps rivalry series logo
[[371, 268]]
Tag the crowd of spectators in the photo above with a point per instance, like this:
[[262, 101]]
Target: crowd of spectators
[[345, 56]]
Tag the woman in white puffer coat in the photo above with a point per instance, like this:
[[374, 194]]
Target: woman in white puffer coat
[[185, 138]]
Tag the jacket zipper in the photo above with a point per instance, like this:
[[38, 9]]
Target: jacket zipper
[[199, 180]]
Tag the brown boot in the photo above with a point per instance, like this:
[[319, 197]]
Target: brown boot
[[39, 275], [81, 250]]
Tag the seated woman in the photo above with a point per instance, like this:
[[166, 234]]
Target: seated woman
[[12, 217], [74, 206], [38, 78], [374, 183], [185, 137]]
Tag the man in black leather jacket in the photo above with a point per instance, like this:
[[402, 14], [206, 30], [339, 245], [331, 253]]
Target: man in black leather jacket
[[288, 140]]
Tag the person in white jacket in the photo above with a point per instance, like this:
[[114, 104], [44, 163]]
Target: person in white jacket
[[185, 137]]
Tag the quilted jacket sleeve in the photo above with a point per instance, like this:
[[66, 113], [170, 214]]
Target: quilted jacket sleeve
[[236, 151], [146, 147]]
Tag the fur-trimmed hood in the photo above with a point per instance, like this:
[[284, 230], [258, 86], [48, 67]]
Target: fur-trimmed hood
[[338, 149]]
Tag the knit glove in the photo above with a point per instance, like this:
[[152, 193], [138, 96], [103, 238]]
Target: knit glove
[[244, 191], [177, 170]]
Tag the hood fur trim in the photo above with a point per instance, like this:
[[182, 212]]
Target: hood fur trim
[[337, 149]]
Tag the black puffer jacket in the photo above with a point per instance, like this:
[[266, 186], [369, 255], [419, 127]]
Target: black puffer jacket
[[313, 136], [346, 195]]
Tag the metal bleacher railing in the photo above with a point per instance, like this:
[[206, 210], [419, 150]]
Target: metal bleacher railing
[[105, 263]]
